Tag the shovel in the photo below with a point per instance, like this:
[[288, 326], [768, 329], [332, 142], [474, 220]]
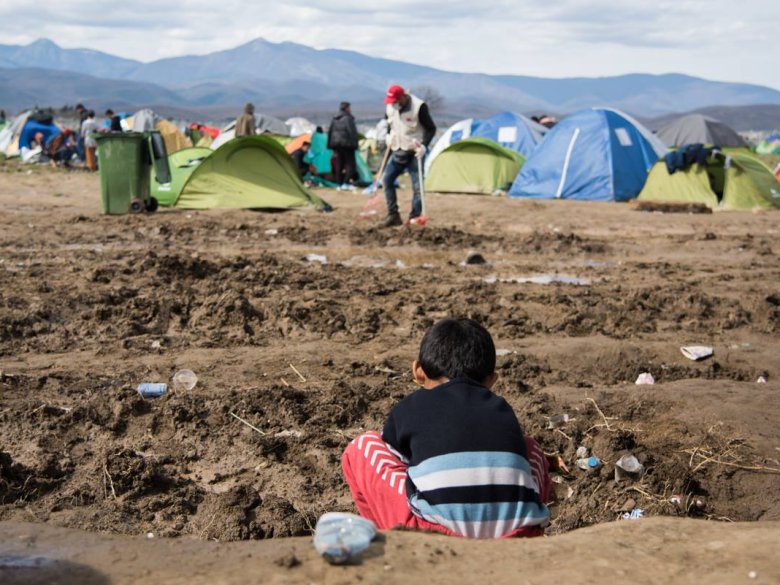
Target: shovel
[[422, 219], [369, 208]]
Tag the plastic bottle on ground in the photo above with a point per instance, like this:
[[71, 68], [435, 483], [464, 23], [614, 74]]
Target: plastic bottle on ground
[[340, 536], [184, 380]]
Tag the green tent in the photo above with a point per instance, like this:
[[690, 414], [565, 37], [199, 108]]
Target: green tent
[[734, 181], [474, 165], [182, 164], [250, 172]]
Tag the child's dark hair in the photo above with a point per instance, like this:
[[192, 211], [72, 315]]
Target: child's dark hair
[[457, 347]]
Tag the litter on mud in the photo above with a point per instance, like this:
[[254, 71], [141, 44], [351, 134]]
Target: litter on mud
[[645, 378], [340, 537], [184, 380], [151, 390], [697, 352], [628, 467], [540, 279], [558, 421], [316, 258]]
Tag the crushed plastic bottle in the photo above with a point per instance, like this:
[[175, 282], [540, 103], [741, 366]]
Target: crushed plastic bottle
[[151, 390], [628, 467], [184, 380], [340, 536]]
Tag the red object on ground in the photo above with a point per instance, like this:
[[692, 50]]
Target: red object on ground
[[377, 480]]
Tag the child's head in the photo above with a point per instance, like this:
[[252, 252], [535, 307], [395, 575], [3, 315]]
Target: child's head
[[457, 347]]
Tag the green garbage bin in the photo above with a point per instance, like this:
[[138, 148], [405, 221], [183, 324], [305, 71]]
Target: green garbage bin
[[125, 160]]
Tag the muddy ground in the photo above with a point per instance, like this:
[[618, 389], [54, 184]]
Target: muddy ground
[[90, 306]]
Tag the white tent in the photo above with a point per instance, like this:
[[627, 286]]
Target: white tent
[[300, 126]]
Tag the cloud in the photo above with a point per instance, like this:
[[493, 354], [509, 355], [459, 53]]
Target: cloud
[[719, 39]]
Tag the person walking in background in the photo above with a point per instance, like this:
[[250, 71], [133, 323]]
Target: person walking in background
[[343, 141], [411, 131], [88, 128], [246, 125]]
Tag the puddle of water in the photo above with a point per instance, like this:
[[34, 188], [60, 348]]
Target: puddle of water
[[540, 279]]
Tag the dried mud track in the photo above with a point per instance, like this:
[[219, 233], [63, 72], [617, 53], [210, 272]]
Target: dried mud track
[[90, 306]]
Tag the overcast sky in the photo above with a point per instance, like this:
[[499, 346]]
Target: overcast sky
[[729, 40]]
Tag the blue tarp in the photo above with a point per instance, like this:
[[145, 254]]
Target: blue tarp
[[31, 128], [597, 154], [511, 131]]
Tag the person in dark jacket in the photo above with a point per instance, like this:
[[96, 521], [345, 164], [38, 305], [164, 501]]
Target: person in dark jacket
[[299, 158], [343, 141], [114, 120]]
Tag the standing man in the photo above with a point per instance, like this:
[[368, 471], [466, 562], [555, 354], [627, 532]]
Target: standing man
[[246, 125], [343, 140], [411, 131]]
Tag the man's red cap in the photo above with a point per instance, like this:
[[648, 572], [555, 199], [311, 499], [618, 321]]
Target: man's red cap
[[394, 93]]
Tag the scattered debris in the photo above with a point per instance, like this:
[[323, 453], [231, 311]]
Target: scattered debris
[[298, 373], [316, 258], [697, 352], [288, 433], [540, 279], [761, 380], [589, 463], [503, 352], [341, 536], [558, 421], [645, 378], [628, 467], [251, 426], [184, 380], [150, 390], [271, 232], [634, 514]]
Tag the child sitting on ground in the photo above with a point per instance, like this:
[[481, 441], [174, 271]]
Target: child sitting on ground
[[452, 457]]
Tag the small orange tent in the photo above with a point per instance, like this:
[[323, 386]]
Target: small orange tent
[[297, 142]]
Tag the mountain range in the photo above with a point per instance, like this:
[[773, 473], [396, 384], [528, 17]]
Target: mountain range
[[293, 79]]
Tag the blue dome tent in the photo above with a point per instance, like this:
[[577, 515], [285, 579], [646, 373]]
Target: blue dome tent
[[511, 131], [596, 154]]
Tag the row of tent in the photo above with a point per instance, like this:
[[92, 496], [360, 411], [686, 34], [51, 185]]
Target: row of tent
[[598, 154], [18, 132]]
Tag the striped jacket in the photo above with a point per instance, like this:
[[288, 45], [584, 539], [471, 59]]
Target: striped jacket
[[468, 467]]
